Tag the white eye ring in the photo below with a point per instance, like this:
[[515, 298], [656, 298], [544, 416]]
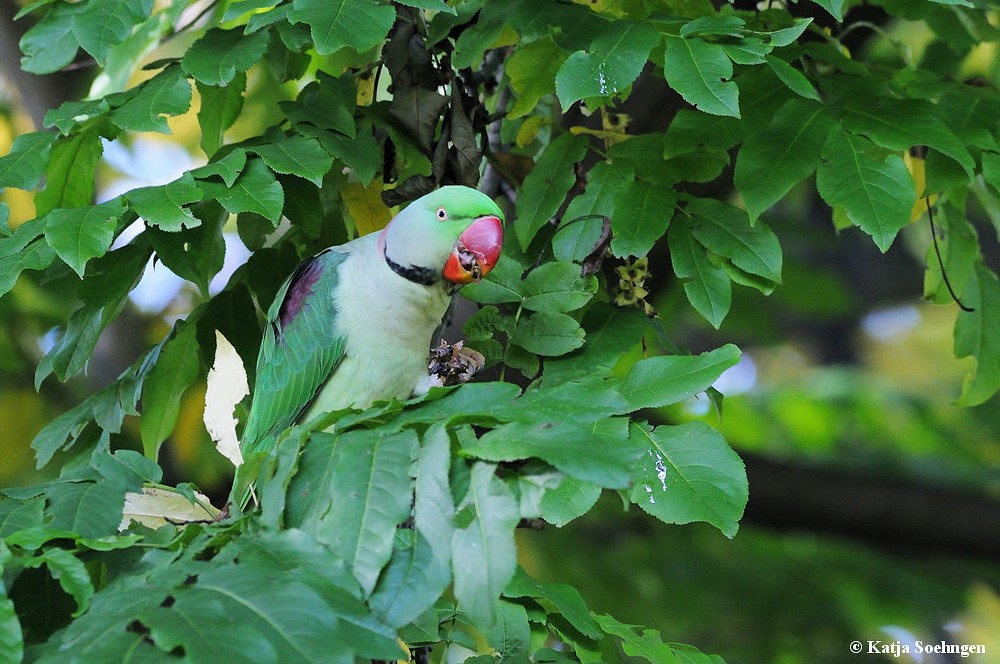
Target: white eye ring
[[442, 214]]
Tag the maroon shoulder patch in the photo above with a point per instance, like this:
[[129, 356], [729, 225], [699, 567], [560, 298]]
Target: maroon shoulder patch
[[301, 287]]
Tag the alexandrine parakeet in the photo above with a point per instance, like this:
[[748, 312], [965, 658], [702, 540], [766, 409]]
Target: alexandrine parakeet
[[353, 324]]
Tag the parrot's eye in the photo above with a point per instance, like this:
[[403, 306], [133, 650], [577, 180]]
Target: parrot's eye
[[442, 214]]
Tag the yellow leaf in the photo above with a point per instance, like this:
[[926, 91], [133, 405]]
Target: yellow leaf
[[611, 136], [917, 167], [227, 385], [158, 507], [366, 88], [365, 206], [529, 129]]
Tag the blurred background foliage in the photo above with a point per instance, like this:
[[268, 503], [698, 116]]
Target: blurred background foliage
[[846, 372]]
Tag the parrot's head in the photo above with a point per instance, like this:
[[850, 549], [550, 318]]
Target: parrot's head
[[454, 233]]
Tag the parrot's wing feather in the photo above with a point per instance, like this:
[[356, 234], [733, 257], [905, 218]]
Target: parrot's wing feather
[[299, 351]]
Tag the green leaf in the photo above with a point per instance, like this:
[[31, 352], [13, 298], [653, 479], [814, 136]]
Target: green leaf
[[106, 23], [690, 130], [167, 93], [545, 333], [564, 598], [545, 188], [834, 7], [433, 5], [877, 195], [71, 113], [24, 166], [532, 70], [51, 43], [707, 286], [899, 124], [24, 250], [570, 500], [69, 178], [11, 637], [726, 231], [164, 205], [613, 62], [582, 228], [359, 24], [557, 287], [666, 379], [71, 574], [255, 190], [296, 155], [642, 214], [219, 55], [412, 582], [649, 645], [510, 636], [18, 515], [361, 153], [772, 161], [611, 332], [792, 77], [362, 491], [726, 26], [80, 234], [175, 370], [483, 553], [689, 473], [220, 106], [91, 509], [571, 447], [327, 103], [502, 284], [699, 71], [228, 167], [975, 335], [433, 507]]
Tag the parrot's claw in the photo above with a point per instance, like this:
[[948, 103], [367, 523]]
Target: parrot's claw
[[453, 364]]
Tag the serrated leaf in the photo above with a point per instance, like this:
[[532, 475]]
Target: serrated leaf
[[175, 370], [557, 287], [359, 24], [69, 177], [877, 195], [228, 167], [361, 153], [546, 186], [572, 448], [611, 64], [726, 231], [362, 492], [699, 71], [80, 234], [106, 23], [51, 44], [24, 165], [792, 77], [771, 161], [220, 106], [71, 574], [834, 7], [167, 93], [642, 214], [611, 332], [510, 636], [91, 509], [255, 190], [219, 55], [707, 286], [727, 26], [545, 333], [649, 645], [26, 249], [899, 124], [483, 553], [502, 284], [18, 515], [164, 206], [570, 500], [975, 336], [296, 155], [11, 637], [689, 473], [564, 598], [666, 379], [532, 70], [412, 582]]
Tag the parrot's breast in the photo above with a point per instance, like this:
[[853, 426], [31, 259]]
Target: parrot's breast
[[387, 323]]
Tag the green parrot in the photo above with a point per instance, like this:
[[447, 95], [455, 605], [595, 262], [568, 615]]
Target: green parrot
[[353, 324]]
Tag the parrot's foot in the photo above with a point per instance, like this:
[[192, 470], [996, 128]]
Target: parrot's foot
[[453, 364]]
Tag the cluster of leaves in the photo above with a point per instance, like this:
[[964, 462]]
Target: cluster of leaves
[[399, 522]]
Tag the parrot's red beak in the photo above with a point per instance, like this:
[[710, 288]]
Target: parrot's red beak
[[476, 252]]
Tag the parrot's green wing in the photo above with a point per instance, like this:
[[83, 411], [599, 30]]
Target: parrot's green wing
[[299, 351]]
